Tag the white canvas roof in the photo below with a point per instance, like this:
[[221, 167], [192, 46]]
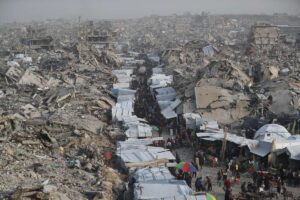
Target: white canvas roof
[[208, 139], [140, 153], [122, 91], [271, 131], [209, 124], [121, 85], [294, 152], [168, 113], [294, 137], [202, 135], [152, 174], [126, 98], [166, 97], [122, 72], [134, 119], [192, 120], [163, 104], [122, 110], [242, 141], [161, 79], [135, 141], [139, 130], [261, 149], [124, 79], [171, 189], [165, 91]]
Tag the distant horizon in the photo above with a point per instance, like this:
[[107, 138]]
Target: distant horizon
[[70, 18], [39, 10]]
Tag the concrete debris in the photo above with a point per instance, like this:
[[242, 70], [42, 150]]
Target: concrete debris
[[284, 102], [222, 105], [14, 72], [31, 78], [54, 120], [83, 103], [226, 71]]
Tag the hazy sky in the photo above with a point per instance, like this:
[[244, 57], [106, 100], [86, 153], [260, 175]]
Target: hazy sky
[[24, 10]]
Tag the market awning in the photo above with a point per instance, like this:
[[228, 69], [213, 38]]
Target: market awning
[[261, 149]]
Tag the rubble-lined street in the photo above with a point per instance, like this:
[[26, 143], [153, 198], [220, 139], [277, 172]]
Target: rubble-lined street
[[192, 106]]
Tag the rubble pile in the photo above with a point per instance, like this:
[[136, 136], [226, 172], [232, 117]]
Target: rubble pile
[[198, 63], [69, 90], [54, 124], [220, 92]]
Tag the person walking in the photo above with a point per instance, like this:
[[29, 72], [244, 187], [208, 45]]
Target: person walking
[[225, 174], [209, 184], [180, 175], [169, 144], [198, 184], [194, 172], [219, 177], [236, 168], [254, 176], [178, 160], [228, 194], [201, 160], [230, 165], [107, 157], [215, 162], [197, 162], [243, 187], [188, 179], [227, 183]]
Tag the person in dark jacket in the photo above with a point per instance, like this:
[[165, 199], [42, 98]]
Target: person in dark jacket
[[198, 184], [188, 179], [209, 184], [178, 160], [243, 187], [228, 195], [267, 184]]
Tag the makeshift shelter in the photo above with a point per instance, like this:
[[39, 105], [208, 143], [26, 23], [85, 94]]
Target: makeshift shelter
[[152, 174], [290, 156], [261, 149], [141, 155], [269, 132], [163, 190], [192, 120], [138, 130]]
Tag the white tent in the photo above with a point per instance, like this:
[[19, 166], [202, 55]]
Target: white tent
[[152, 174], [269, 132]]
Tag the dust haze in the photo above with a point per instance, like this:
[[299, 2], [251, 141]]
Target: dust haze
[[27, 10]]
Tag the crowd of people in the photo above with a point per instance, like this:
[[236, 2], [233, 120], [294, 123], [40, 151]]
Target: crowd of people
[[227, 176], [229, 173], [201, 185]]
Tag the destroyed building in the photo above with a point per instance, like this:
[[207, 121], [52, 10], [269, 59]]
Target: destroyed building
[[100, 38], [37, 39], [264, 36], [38, 43]]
